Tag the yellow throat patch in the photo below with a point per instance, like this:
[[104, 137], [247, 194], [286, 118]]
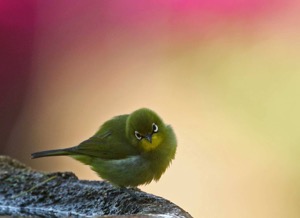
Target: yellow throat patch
[[147, 146]]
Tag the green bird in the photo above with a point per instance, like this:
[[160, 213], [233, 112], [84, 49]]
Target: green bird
[[128, 150]]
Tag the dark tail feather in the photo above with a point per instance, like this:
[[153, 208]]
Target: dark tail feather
[[57, 152]]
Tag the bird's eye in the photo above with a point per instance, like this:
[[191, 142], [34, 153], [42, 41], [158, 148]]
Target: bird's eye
[[154, 128], [138, 135]]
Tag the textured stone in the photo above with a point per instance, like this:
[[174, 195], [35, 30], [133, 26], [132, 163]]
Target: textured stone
[[25, 192]]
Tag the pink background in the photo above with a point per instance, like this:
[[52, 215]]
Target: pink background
[[224, 74]]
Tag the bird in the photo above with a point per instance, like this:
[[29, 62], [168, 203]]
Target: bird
[[128, 150]]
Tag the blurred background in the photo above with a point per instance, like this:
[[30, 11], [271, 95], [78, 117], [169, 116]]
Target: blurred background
[[225, 74]]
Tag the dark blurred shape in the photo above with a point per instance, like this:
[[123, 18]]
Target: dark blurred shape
[[17, 24]]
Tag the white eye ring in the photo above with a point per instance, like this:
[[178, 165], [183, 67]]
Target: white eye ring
[[138, 135], [154, 128]]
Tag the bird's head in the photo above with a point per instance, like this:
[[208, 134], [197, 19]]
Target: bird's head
[[145, 129]]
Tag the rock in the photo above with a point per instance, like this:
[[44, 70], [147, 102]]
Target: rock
[[26, 192]]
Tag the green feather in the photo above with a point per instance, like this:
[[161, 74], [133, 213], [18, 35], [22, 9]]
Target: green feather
[[117, 155]]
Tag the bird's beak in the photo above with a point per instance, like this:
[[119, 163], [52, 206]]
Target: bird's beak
[[149, 137]]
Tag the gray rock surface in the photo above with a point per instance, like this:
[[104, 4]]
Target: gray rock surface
[[25, 192]]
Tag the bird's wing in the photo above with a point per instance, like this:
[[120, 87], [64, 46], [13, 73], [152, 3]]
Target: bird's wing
[[105, 146]]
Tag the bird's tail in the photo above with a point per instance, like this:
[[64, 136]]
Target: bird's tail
[[57, 152]]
